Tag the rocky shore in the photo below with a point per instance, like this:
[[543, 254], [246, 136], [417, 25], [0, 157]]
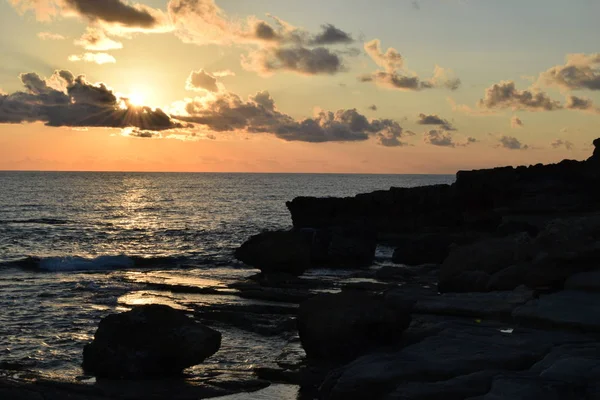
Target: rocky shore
[[492, 292]]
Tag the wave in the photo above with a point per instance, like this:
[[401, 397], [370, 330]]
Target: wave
[[101, 263], [41, 221]]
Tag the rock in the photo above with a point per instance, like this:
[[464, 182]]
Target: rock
[[488, 256], [340, 327], [425, 249], [566, 309], [530, 387], [508, 278], [477, 305], [277, 251], [447, 355], [512, 227], [148, 341], [351, 248], [394, 273], [458, 388], [585, 281]]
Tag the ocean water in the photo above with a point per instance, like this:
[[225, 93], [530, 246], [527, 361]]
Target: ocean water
[[76, 246]]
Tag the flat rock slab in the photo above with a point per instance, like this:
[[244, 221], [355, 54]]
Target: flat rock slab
[[458, 388], [585, 281], [449, 354], [567, 309], [529, 388], [478, 305]]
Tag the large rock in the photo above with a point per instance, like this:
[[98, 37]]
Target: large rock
[[277, 251], [339, 327], [351, 248], [425, 249], [485, 258], [146, 342]]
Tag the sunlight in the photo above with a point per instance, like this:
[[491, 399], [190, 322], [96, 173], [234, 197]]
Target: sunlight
[[137, 99]]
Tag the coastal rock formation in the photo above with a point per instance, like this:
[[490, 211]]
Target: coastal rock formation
[[483, 199], [148, 341], [276, 251], [340, 327], [293, 252]]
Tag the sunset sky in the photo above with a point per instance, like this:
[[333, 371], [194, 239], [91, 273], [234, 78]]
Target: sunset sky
[[379, 86]]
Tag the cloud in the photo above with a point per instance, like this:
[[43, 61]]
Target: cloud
[[467, 110], [302, 60], [66, 100], [512, 143], [226, 111], [504, 95], [224, 73], [394, 76], [582, 104], [280, 45], [372, 107], [50, 36], [581, 71], [435, 120], [201, 80], [438, 138], [98, 58], [95, 39], [332, 35], [562, 143], [516, 122], [107, 12]]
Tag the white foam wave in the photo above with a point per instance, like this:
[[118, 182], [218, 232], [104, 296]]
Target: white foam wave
[[66, 264]]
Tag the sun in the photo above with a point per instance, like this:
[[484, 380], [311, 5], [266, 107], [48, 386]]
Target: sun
[[137, 98]]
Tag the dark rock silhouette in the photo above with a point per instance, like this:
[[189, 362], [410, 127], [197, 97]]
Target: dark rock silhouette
[[340, 327], [147, 342], [293, 252]]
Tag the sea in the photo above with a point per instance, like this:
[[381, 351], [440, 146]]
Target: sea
[[77, 246]]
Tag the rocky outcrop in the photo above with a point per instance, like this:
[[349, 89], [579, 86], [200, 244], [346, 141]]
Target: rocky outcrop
[[481, 200], [276, 251], [340, 327], [295, 251], [147, 342], [565, 247]]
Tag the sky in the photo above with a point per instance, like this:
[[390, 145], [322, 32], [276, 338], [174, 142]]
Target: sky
[[361, 86]]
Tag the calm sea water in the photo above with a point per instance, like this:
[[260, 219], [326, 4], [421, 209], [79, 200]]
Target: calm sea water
[[77, 246]]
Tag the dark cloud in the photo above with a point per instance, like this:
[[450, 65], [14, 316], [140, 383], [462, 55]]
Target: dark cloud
[[113, 11], [332, 35], [505, 95], [512, 143], [579, 103], [393, 75], [516, 122], [109, 12], [439, 138], [80, 104], [96, 40], [562, 143], [582, 71], [303, 60], [373, 107], [228, 112], [435, 120], [201, 80]]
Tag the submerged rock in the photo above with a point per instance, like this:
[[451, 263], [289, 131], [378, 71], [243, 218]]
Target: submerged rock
[[148, 341], [340, 327]]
